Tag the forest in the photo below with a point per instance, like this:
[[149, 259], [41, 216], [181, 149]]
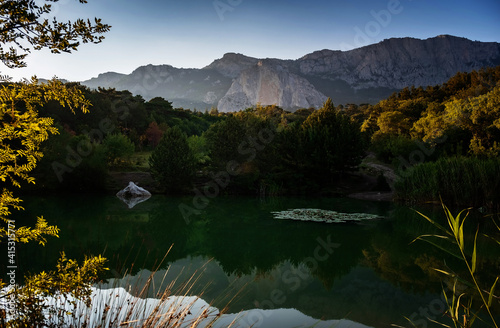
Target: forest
[[441, 141]]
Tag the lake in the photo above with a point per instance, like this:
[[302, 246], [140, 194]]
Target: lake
[[300, 273]]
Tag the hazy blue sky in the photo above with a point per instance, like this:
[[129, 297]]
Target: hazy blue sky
[[192, 33]]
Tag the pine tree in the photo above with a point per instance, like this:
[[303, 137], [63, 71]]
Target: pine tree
[[172, 162]]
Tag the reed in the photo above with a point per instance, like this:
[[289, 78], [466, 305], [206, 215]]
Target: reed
[[467, 297], [461, 181], [143, 304]]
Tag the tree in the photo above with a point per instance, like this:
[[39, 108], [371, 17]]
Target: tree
[[198, 146], [393, 122], [331, 142], [21, 134], [23, 28], [22, 131], [153, 134], [116, 146], [223, 139], [172, 162], [481, 116]]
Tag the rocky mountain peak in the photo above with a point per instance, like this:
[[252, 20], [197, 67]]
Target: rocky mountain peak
[[363, 75], [400, 62], [232, 64], [269, 82]]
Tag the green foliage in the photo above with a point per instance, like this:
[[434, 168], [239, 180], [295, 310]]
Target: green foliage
[[462, 308], [458, 180], [198, 146], [223, 139], [390, 148], [21, 135], [116, 146], [460, 116], [69, 283], [24, 25], [172, 163], [284, 152], [331, 141], [245, 142]]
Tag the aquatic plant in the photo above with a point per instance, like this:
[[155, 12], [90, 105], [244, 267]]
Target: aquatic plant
[[326, 216]]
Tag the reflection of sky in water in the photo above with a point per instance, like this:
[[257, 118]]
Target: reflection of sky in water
[[366, 273], [286, 296], [125, 309]]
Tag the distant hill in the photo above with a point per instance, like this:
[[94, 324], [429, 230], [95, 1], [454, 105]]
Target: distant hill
[[364, 75]]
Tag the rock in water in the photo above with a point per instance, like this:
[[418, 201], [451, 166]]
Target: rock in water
[[133, 194]]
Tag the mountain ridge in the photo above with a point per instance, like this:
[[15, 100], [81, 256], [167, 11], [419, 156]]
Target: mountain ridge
[[362, 75]]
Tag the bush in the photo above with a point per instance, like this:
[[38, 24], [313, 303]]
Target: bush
[[388, 148], [116, 146]]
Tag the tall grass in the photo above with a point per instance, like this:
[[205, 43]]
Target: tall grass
[[159, 301], [467, 297], [172, 307], [463, 181]]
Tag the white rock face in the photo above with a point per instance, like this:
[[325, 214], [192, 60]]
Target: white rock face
[[133, 194], [270, 83]]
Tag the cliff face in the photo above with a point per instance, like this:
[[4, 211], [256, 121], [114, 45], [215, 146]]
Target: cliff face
[[398, 63], [368, 74], [267, 83]]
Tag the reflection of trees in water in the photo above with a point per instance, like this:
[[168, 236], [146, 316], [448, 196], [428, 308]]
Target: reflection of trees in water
[[239, 234], [249, 247], [411, 266]]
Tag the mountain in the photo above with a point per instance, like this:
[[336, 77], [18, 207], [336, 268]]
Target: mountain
[[270, 82], [363, 75]]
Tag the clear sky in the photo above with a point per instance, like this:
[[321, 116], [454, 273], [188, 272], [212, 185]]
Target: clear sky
[[193, 33]]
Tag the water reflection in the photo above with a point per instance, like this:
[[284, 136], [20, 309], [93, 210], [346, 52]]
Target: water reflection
[[367, 273]]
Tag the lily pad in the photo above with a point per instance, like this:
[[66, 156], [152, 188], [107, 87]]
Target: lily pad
[[318, 215]]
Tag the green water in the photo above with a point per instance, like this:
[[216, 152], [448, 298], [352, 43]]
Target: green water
[[368, 273]]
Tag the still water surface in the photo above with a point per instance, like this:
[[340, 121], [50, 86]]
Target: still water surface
[[364, 273]]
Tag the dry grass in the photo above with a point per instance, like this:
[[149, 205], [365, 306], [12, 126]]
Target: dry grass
[[172, 305]]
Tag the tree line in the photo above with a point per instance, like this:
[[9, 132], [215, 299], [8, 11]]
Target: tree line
[[276, 151]]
